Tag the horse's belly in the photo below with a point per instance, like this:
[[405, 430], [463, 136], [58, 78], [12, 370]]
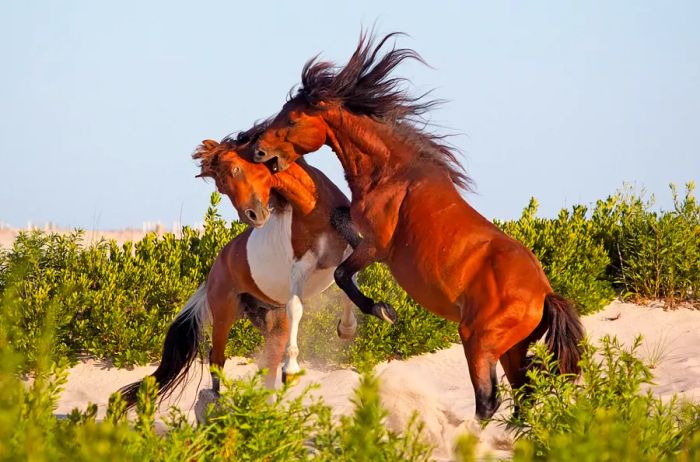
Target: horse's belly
[[319, 281], [425, 277], [275, 281]]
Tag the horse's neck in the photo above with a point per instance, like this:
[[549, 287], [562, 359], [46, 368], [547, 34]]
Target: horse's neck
[[365, 148], [297, 186]]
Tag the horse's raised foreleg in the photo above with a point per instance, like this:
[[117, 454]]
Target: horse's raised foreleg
[[362, 256]]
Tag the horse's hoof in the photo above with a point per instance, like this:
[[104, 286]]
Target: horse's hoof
[[385, 311], [346, 332], [291, 378]]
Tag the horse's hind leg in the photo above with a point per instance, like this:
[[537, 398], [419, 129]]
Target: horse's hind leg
[[500, 331], [225, 309], [482, 371], [276, 337], [515, 361]]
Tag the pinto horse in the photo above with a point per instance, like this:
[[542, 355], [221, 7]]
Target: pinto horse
[[406, 203], [289, 253]]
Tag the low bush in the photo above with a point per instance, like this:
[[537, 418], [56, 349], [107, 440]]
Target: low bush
[[622, 245], [115, 302], [111, 302], [654, 254]]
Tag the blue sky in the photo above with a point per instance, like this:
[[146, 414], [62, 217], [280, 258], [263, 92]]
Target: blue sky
[[101, 104]]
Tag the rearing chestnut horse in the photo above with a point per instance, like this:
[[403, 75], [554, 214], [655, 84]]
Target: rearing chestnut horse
[[288, 254], [406, 202]]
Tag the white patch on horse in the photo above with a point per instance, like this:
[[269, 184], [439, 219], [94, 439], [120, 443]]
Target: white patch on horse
[[271, 261], [270, 256], [288, 280]]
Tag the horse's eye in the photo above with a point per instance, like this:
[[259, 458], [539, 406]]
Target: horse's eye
[[292, 123], [236, 170]]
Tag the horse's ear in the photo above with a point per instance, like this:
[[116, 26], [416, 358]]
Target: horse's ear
[[210, 144]]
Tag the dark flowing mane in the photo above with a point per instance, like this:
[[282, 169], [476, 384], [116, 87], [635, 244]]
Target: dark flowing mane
[[209, 152], [365, 86], [237, 139]]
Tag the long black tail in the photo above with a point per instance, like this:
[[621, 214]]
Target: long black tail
[[182, 343], [565, 332]]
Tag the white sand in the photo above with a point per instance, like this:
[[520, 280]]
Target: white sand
[[437, 385]]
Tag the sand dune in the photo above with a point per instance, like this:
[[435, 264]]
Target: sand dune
[[437, 385]]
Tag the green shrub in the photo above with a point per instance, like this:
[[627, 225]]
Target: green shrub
[[573, 259], [249, 422], [116, 302], [622, 244], [655, 255], [111, 301]]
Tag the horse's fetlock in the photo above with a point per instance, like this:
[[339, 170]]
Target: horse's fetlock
[[292, 351]]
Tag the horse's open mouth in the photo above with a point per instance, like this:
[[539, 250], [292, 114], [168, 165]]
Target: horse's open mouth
[[272, 164]]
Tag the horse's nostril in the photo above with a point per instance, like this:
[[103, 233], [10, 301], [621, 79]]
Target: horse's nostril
[[251, 215], [259, 154]]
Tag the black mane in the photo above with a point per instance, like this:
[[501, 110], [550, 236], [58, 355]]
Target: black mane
[[364, 86], [237, 139]]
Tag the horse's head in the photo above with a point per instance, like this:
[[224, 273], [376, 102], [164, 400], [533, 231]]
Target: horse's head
[[298, 129], [246, 183]]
